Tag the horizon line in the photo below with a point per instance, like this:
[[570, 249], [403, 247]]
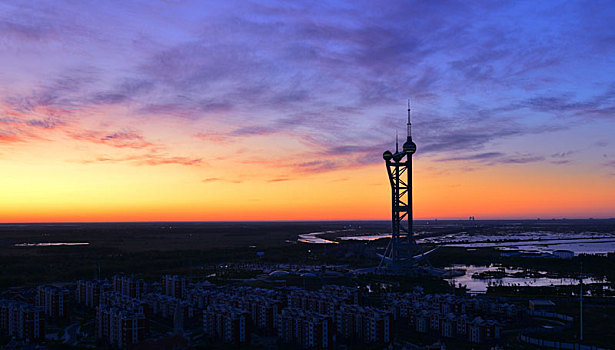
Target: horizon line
[[300, 220]]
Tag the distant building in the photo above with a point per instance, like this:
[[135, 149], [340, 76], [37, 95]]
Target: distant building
[[480, 330], [227, 323], [309, 330], [263, 305], [264, 311], [448, 326], [364, 325], [120, 328], [129, 286], [88, 293], [174, 286], [319, 302], [348, 294], [452, 316], [476, 330], [563, 254], [53, 300], [461, 326], [178, 320], [21, 320], [123, 302], [540, 305], [422, 322], [165, 305]]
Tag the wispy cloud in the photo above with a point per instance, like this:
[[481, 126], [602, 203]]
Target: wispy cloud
[[147, 159], [317, 166], [560, 162], [217, 179], [119, 139], [479, 156], [213, 137], [563, 154], [494, 158], [519, 159], [279, 179]]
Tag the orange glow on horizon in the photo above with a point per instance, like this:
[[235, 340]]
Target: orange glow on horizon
[[117, 192]]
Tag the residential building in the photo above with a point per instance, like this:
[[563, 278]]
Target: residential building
[[53, 300], [129, 286], [226, 323], [22, 320], [307, 329], [175, 286], [120, 328], [88, 293], [364, 324]]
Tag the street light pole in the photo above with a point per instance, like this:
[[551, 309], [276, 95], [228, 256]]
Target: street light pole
[[581, 302]]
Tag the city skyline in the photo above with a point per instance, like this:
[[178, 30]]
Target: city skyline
[[179, 110]]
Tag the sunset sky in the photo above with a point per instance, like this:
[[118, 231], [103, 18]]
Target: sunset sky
[[260, 110]]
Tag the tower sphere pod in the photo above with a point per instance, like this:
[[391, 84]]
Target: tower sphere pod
[[387, 155], [409, 146]]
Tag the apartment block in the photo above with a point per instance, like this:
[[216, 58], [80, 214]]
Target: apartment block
[[175, 286], [309, 330], [22, 320], [53, 300], [227, 323], [120, 328], [129, 286]]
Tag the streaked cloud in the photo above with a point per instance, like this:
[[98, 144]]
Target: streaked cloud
[[147, 159], [119, 139]]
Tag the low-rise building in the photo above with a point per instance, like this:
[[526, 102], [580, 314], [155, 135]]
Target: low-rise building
[[541, 305]]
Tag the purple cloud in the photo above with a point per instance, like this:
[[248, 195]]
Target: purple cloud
[[47, 123], [494, 158], [279, 179], [333, 76], [560, 162], [479, 156], [119, 139]]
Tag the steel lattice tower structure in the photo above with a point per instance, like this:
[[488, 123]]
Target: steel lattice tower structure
[[400, 252]]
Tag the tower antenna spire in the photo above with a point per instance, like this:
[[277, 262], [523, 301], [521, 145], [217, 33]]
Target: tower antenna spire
[[409, 124], [396, 142]]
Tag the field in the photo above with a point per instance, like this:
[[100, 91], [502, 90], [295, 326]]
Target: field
[[152, 249], [148, 249]]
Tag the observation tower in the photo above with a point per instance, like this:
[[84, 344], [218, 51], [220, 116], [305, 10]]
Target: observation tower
[[402, 251]]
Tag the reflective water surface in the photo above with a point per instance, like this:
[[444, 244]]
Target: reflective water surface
[[476, 285], [48, 244]]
